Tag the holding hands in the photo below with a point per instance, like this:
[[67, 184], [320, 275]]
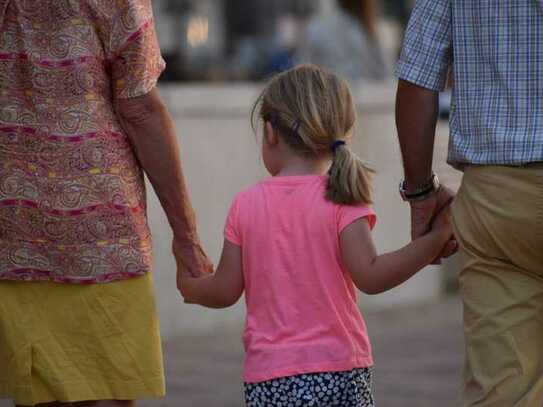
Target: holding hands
[[191, 259], [434, 213]]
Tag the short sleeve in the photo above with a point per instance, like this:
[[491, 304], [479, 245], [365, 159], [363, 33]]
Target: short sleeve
[[349, 214], [133, 49], [232, 227], [427, 49]]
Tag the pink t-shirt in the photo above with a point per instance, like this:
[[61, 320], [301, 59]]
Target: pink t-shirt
[[302, 315]]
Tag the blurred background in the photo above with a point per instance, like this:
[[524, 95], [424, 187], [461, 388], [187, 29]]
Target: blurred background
[[236, 40], [219, 52]]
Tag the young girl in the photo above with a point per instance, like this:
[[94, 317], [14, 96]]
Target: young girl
[[299, 242]]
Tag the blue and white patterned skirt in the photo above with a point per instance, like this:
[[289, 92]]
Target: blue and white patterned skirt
[[328, 389]]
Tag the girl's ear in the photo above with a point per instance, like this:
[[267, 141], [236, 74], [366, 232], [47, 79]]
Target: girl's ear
[[270, 134]]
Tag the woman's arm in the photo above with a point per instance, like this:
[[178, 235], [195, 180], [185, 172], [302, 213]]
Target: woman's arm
[[151, 131], [219, 290], [374, 274]]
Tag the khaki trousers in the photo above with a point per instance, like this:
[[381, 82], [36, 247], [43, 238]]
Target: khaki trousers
[[498, 219]]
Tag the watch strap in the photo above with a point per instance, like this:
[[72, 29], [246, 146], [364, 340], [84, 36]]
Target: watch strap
[[422, 192]]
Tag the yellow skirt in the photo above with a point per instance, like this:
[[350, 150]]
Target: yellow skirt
[[71, 343]]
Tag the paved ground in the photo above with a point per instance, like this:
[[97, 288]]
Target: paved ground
[[418, 352]]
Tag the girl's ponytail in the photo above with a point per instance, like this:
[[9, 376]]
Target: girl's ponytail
[[349, 180]]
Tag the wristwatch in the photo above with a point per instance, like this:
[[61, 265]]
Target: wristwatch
[[421, 192]]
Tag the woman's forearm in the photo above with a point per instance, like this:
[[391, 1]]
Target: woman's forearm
[[151, 131]]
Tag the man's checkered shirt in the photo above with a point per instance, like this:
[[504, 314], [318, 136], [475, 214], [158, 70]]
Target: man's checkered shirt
[[495, 51]]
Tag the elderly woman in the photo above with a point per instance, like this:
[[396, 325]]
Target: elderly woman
[[79, 119]]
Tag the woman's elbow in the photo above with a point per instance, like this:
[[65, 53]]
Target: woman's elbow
[[140, 110]]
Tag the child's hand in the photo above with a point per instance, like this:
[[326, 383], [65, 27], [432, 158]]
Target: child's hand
[[442, 223], [184, 282], [220, 289]]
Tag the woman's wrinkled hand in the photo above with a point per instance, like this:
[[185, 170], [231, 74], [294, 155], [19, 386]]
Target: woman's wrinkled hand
[[191, 259]]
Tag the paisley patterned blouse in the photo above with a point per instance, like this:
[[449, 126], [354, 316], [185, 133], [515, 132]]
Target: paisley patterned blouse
[[72, 196]]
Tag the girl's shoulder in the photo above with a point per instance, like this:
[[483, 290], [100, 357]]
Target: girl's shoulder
[[248, 192], [347, 214], [246, 197]]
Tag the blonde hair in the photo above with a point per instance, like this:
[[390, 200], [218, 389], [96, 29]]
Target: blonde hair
[[313, 109]]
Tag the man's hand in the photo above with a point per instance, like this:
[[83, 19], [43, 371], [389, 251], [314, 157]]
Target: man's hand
[[423, 214], [191, 259]]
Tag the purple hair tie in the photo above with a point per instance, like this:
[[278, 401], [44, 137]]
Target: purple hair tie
[[273, 119], [296, 127], [336, 145]]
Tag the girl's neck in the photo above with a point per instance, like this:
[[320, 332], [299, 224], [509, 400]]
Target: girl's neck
[[303, 166]]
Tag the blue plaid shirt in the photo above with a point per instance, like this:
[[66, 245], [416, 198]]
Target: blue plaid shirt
[[495, 50]]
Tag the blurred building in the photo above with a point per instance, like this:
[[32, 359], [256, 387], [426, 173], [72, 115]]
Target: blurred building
[[249, 40], [221, 39]]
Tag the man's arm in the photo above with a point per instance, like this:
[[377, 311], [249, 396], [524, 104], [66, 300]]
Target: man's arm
[[151, 131], [416, 119], [424, 62]]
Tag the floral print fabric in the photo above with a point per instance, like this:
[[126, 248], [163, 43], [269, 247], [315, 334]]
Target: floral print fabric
[[72, 196], [329, 389]]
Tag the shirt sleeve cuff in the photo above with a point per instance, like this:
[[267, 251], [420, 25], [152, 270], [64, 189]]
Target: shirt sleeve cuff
[[232, 238], [144, 86], [421, 76], [367, 213]]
